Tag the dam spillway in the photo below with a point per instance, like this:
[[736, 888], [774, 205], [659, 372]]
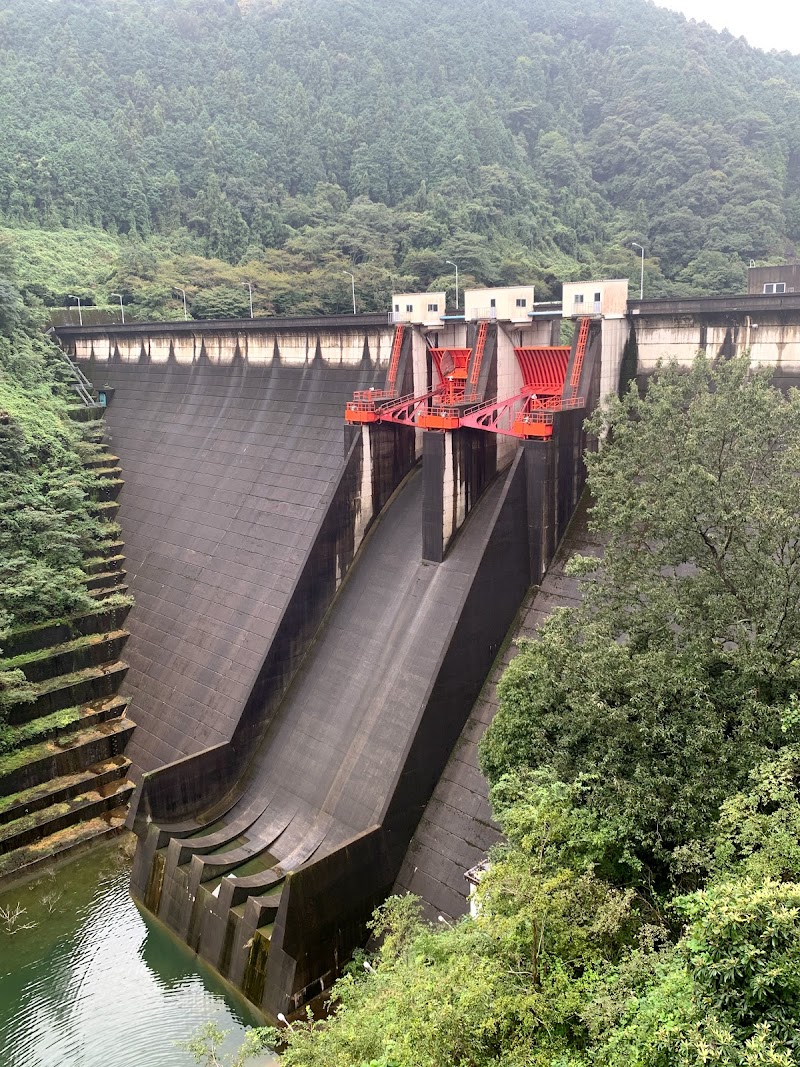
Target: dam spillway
[[317, 610]]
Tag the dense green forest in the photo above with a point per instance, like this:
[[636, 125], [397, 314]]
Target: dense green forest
[[149, 144], [48, 524], [644, 910]]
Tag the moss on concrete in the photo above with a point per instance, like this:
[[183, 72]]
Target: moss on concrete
[[13, 738]]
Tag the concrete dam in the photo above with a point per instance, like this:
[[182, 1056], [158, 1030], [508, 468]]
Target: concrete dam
[[319, 603]]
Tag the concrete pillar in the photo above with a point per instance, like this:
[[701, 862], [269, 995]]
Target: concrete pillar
[[541, 492], [555, 477], [614, 335], [456, 468]]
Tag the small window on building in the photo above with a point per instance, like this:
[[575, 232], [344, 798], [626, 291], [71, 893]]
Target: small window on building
[[493, 303], [775, 287], [433, 307], [397, 307], [409, 307], [522, 303], [579, 298], [597, 298]]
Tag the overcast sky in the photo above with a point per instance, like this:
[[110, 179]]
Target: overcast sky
[[776, 24]]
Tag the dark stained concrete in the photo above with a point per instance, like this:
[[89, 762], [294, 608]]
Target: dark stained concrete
[[227, 474], [457, 830], [305, 746], [335, 744], [339, 757]]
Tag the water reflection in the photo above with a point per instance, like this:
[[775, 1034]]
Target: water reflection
[[86, 980]]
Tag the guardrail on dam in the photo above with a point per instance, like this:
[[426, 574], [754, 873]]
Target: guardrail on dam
[[293, 725]]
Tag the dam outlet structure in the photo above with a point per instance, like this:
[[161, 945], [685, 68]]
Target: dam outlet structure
[[331, 527]]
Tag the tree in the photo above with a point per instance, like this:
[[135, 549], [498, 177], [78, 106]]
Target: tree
[[220, 302], [728, 994], [206, 1043], [697, 490], [658, 696]]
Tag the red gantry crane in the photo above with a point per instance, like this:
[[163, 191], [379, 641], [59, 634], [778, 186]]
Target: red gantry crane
[[383, 405]]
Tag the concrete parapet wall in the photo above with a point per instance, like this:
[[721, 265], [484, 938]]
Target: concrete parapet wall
[[772, 338], [224, 347]]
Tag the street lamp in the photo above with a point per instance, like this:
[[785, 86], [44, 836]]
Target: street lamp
[[121, 305], [641, 279], [80, 313], [250, 287], [352, 278], [450, 263], [178, 289]]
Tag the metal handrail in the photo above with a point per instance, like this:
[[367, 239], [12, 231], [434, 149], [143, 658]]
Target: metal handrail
[[81, 384], [85, 396], [76, 370]]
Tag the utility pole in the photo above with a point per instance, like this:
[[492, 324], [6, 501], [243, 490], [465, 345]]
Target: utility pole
[[352, 278], [121, 305], [80, 313], [641, 277], [178, 289], [450, 263], [250, 288]]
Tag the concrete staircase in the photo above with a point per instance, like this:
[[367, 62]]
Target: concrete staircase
[[65, 781], [64, 776]]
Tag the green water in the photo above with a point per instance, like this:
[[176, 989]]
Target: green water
[[91, 982]]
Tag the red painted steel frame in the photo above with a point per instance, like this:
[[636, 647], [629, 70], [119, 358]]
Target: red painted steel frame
[[362, 408], [544, 368], [480, 346], [404, 411], [580, 352], [530, 412]]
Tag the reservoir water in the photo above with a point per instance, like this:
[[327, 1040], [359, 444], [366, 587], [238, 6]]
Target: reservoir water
[[87, 981]]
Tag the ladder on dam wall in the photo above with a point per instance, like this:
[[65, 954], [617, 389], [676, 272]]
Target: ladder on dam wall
[[363, 405], [480, 348], [79, 383], [394, 362], [580, 353]]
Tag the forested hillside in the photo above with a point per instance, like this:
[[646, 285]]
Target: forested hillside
[[283, 141]]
